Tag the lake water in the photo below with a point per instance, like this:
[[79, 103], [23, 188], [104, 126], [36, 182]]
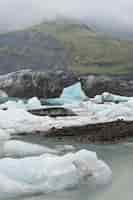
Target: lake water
[[118, 156]]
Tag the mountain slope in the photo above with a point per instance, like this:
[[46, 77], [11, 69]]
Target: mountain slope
[[64, 45], [30, 49]]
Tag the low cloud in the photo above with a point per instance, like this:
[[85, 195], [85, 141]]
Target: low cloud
[[116, 14]]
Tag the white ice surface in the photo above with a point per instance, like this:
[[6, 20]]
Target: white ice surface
[[16, 121], [48, 173], [32, 103], [18, 148], [108, 97]]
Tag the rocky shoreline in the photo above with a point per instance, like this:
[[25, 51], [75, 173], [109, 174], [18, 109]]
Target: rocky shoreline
[[28, 83], [94, 85]]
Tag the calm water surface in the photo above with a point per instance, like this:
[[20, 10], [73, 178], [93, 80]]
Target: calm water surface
[[118, 156]]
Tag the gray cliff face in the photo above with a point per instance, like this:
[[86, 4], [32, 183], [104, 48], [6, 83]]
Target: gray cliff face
[[94, 85], [27, 84], [28, 49]]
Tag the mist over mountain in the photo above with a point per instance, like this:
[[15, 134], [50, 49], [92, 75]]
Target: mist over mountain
[[64, 45], [80, 35], [114, 17]]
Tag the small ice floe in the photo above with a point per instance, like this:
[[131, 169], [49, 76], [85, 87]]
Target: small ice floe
[[16, 148], [19, 121], [21, 149], [65, 148], [12, 105], [115, 112], [33, 103], [49, 173], [108, 97]]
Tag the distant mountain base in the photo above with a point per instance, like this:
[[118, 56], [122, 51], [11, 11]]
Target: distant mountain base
[[62, 46]]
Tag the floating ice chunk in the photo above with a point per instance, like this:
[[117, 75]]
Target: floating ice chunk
[[102, 173], [98, 99], [64, 148], [48, 173], [114, 98], [70, 95], [33, 103], [10, 188], [21, 149], [114, 112], [18, 148], [20, 121], [108, 97], [13, 105], [73, 92], [17, 121]]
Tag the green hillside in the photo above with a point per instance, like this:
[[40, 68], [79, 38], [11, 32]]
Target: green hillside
[[64, 45]]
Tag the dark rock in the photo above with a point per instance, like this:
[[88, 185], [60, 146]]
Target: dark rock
[[94, 85], [53, 112], [68, 77], [28, 83]]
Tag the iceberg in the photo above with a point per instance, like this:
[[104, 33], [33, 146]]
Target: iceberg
[[19, 121], [33, 103], [65, 148], [74, 92], [70, 95], [49, 173], [108, 97]]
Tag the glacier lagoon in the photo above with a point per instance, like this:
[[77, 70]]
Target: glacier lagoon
[[120, 159]]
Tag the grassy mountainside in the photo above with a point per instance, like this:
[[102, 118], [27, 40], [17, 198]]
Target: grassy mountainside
[[63, 45]]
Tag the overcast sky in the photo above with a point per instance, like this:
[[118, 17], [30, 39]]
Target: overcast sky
[[17, 13]]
